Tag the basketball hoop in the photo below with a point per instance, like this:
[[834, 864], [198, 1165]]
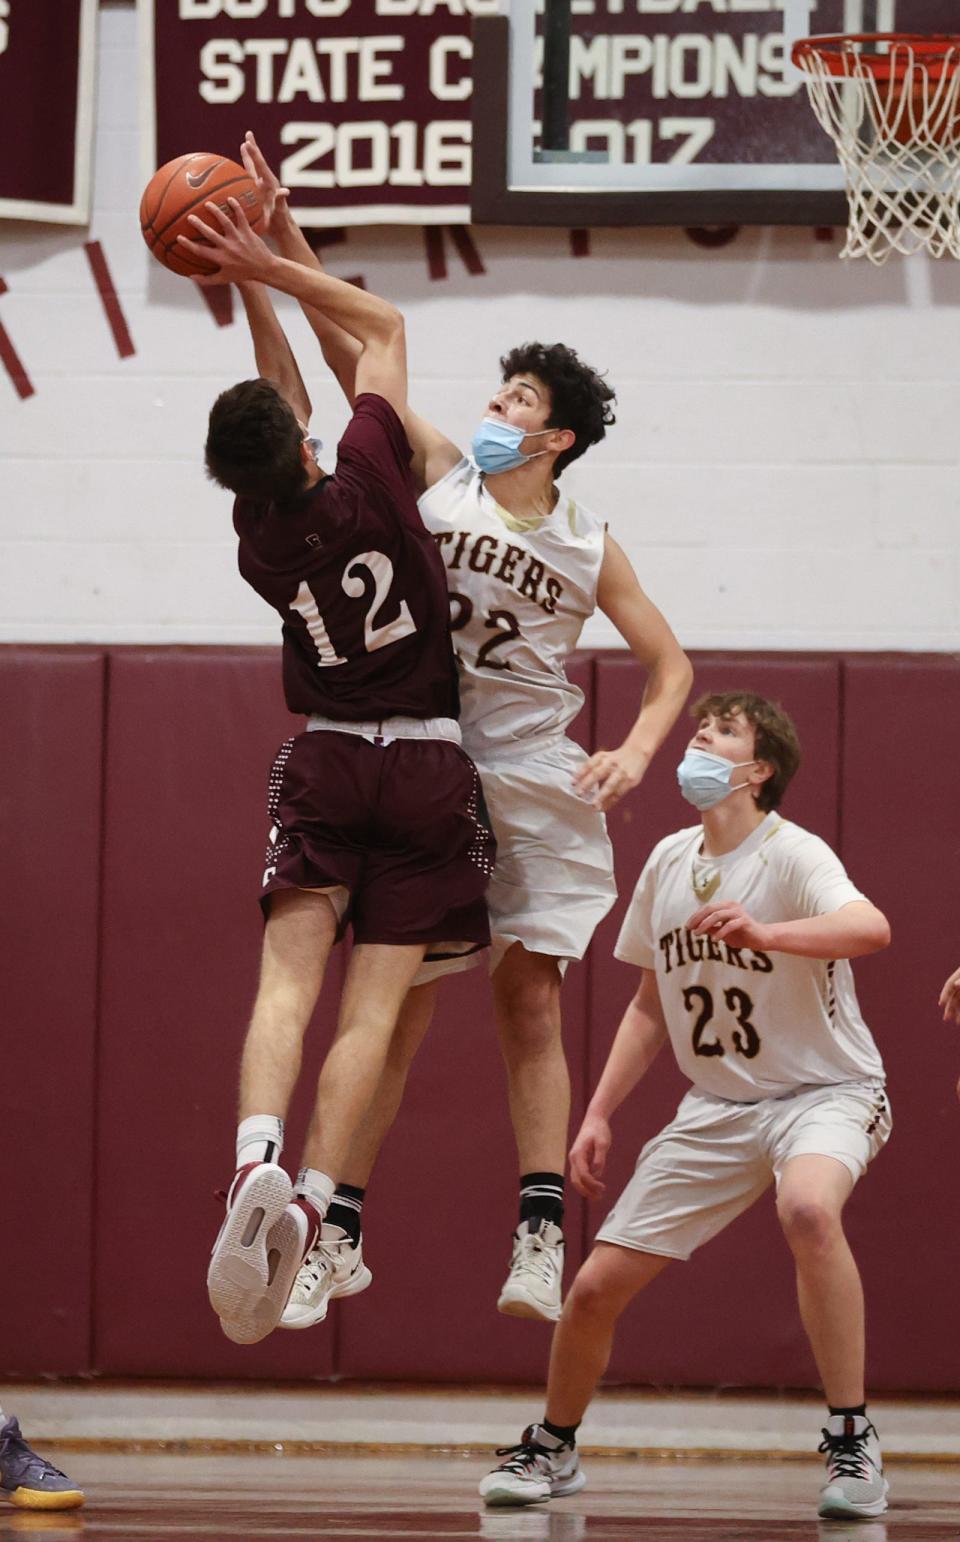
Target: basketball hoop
[[891, 104]]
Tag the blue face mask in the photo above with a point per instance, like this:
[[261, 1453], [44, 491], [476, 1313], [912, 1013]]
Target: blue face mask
[[314, 445], [495, 446], [705, 779]]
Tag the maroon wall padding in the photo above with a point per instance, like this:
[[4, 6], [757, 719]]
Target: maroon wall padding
[[443, 1201], [191, 737], [901, 841], [729, 1316], [51, 710], [148, 1097]]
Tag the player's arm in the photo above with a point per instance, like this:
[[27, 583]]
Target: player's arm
[[274, 356], [639, 1037], [340, 351], [433, 453], [240, 256], [950, 998], [853, 931], [609, 774]]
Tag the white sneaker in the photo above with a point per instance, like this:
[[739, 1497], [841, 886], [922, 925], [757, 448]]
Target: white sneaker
[[257, 1253], [855, 1483], [540, 1467], [334, 1267], [536, 1272]]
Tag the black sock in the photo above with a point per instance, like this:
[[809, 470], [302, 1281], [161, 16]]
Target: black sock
[[345, 1210], [541, 1197], [565, 1432], [860, 1412]]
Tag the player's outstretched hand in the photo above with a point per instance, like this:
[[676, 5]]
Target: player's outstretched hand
[[609, 774], [726, 921], [237, 251], [950, 999], [273, 197], [588, 1156]]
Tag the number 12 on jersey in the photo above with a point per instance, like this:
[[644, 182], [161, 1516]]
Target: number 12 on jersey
[[379, 571]]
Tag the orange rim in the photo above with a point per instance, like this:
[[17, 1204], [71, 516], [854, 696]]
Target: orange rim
[[938, 53]]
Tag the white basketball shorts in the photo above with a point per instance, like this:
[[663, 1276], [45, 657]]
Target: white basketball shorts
[[716, 1157], [553, 881]]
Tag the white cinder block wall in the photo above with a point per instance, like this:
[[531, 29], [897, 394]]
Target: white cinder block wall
[[783, 471]]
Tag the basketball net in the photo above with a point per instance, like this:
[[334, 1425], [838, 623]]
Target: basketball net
[[891, 105]]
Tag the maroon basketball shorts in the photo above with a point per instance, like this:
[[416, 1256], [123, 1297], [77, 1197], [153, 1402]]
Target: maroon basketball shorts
[[398, 822]]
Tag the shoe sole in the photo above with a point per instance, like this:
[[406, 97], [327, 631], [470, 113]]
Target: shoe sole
[[845, 1510], [511, 1498], [244, 1261], [523, 1306], [351, 1287], [506, 1499], [286, 1245], [35, 1499]]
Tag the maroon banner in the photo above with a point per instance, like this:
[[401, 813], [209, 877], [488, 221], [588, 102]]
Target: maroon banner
[[362, 106], [46, 108]]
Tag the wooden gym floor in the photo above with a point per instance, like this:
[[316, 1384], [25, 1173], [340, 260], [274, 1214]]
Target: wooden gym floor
[[150, 1497]]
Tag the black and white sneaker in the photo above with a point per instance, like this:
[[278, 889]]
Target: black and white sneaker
[[540, 1467], [533, 1285], [333, 1267], [855, 1483]]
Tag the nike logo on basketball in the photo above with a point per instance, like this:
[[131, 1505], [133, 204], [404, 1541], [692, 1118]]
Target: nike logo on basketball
[[196, 179]]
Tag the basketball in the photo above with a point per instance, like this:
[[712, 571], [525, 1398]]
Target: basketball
[[182, 187]]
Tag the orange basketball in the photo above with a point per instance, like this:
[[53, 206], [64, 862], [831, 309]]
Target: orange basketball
[[181, 188]]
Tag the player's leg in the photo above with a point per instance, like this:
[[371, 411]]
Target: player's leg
[[813, 1191], [300, 932], [264, 1236], [546, 1464], [431, 889], [415, 1017], [378, 978], [526, 995], [552, 885], [690, 1181], [583, 1340], [824, 1144], [335, 1266], [426, 870]]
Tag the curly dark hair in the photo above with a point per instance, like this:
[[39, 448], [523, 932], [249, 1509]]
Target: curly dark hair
[[580, 398], [775, 737], [253, 443]]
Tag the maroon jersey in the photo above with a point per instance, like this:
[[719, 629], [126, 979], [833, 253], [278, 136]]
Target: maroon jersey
[[359, 582]]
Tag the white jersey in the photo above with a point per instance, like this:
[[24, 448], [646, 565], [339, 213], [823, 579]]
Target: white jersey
[[520, 594], [746, 1025]]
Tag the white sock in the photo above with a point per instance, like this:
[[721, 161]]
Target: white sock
[[315, 1186], [259, 1139]]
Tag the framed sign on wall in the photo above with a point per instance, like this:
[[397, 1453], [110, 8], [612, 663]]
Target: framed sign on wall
[[361, 106], [47, 56]]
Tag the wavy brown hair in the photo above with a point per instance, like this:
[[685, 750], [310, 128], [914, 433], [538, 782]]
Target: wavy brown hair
[[580, 398], [775, 737]]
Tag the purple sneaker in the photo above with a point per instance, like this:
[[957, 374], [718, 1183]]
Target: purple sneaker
[[30, 1480]]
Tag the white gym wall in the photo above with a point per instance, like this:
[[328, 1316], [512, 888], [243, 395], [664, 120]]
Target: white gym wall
[[782, 472]]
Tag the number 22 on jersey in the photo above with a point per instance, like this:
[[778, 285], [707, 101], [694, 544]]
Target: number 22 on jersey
[[380, 569]]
